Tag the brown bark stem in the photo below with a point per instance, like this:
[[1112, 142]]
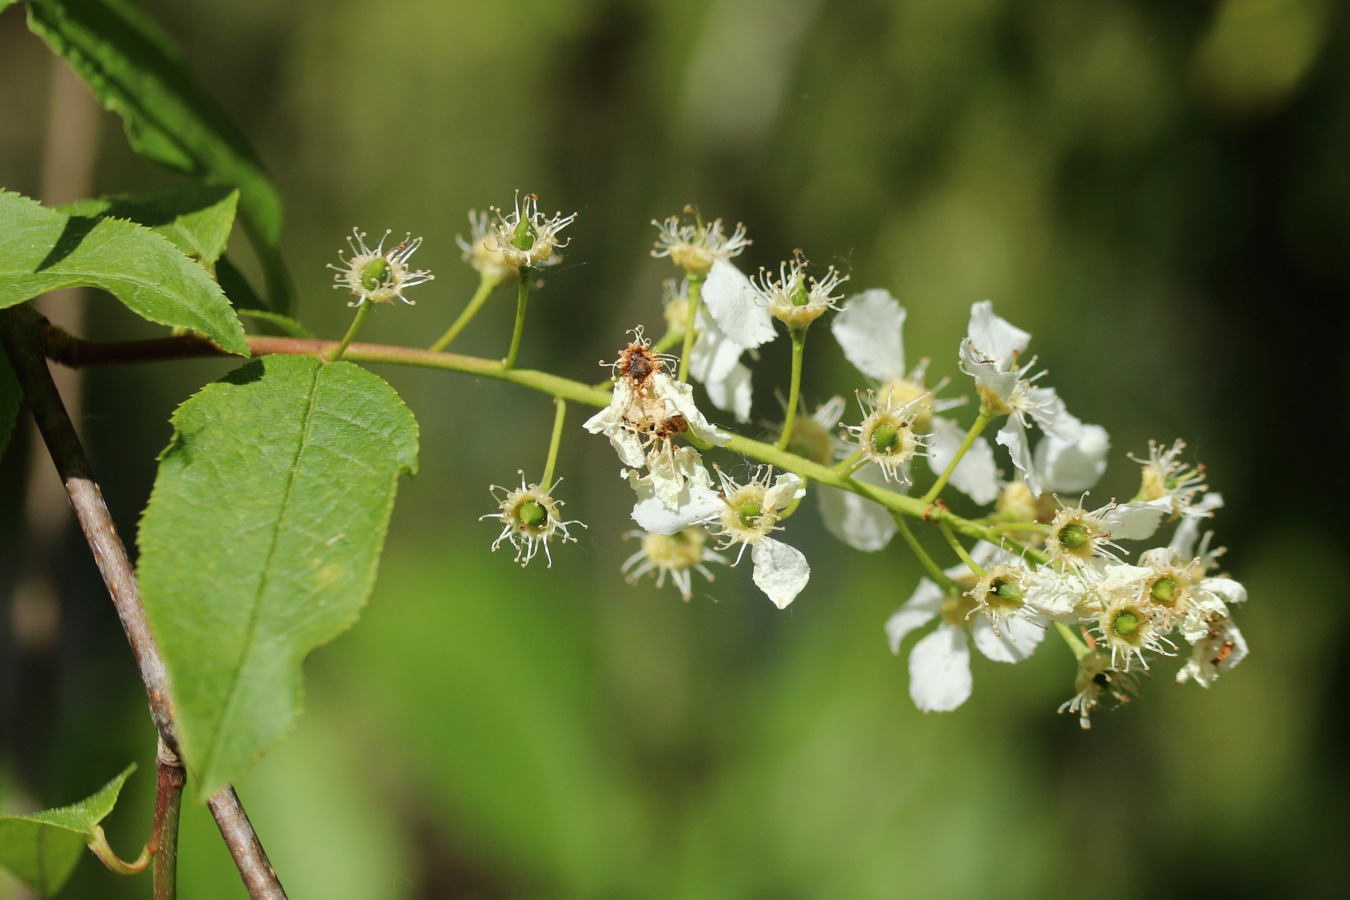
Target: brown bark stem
[[25, 346]]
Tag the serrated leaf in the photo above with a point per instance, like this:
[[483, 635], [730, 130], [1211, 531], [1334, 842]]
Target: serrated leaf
[[195, 218], [135, 70], [42, 250], [10, 398], [261, 540], [42, 849]]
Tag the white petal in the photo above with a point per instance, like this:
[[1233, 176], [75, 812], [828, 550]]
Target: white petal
[[780, 571], [993, 337], [920, 609], [1215, 654], [1183, 539], [1013, 436], [869, 329], [698, 505], [1071, 467], [735, 304], [976, 476], [939, 670], [786, 487], [1017, 639], [1228, 590], [1136, 521], [861, 523], [733, 392], [1055, 593]]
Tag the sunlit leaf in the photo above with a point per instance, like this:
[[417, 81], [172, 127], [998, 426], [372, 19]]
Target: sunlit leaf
[[41, 849], [195, 218], [135, 70], [42, 250], [261, 542]]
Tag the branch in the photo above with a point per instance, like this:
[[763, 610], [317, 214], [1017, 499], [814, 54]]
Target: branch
[[24, 346]]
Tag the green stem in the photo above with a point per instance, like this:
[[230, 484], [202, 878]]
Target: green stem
[[1075, 643], [981, 421], [695, 298], [960, 551], [794, 390], [361, 312], [934, 570], [547, 481], [522, 298], [852, 464], [78, 353], [98, 842], [486, 285]]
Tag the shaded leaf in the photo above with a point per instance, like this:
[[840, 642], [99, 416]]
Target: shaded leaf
[[41, 849], [10, 398], [195, 218], [261, 540], [285, 324], [42, 250], [135, 70]]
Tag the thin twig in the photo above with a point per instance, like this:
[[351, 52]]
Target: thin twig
[[164, 838], [25, 348], [248, 853]]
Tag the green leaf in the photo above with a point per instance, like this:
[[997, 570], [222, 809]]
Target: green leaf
[[135, 70], [285, 324], [10, 398], [195, 218], [261, 540], [42, 849], [42, 250]]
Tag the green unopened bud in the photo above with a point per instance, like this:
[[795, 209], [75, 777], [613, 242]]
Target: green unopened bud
[[532, 514], [749, 514]]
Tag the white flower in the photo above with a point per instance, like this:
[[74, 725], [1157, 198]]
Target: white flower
[[869, 329], [749, 513], [1081, 538], [886, 436], [481, 250], [1221, 648], [1166, 478], [1127, 624], [530, 519], [677, 555], [647, 410], [527, 238], [795, 299], [939, 664], [378, 275], [696, 246], [990, 353]]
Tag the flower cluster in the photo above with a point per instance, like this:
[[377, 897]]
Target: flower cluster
[[1122, 583]]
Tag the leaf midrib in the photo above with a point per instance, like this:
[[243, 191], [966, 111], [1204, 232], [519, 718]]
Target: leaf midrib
[[292, 472]]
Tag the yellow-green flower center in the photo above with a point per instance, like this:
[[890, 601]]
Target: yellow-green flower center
[[375, 273], [885, 439], [750, 513], [531, 515]]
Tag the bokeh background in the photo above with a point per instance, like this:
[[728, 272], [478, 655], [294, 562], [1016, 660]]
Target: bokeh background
[[1158, 191]]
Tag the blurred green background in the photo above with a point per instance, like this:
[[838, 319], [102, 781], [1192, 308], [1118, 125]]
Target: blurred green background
[[1158, 191]]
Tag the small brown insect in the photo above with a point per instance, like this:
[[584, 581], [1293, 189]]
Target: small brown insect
[[1225, 650]]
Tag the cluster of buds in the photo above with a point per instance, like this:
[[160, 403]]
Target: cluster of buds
[[1100, 577]]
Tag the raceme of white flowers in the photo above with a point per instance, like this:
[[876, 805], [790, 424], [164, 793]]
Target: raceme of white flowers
[[1121, 584]]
